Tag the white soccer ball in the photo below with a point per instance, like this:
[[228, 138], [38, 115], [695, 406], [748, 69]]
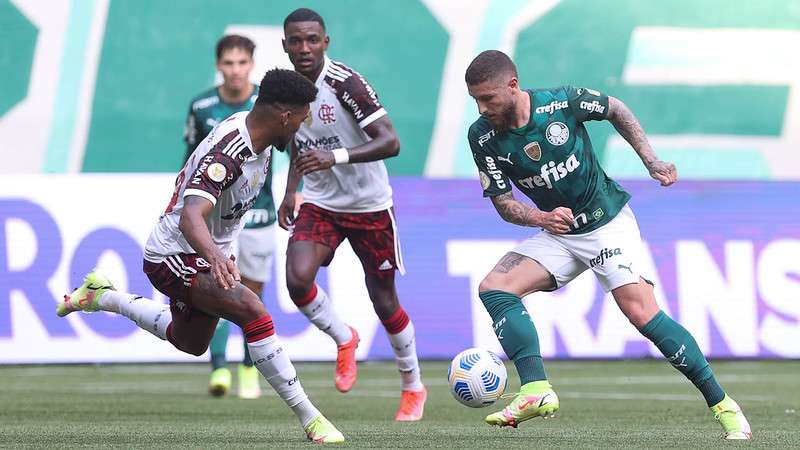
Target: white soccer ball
[[477, 377]]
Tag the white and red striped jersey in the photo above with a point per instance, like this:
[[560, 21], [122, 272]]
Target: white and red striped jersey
[[224, 170], [344, 106]]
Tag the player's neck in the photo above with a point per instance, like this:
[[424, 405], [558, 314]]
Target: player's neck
[[522, 110], [235, 96], [259, 137]]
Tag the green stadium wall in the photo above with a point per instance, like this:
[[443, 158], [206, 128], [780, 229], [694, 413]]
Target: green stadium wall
[[104, 85]]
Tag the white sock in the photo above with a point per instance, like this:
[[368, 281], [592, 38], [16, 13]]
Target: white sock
[[274, 364], [149, 315], [322, 314], [405, 353]]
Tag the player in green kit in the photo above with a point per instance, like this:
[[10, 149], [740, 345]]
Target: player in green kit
[[256, 242], [536, 140]]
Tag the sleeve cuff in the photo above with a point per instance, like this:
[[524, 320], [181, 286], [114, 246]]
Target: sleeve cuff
[[372, 118], [200, 193]]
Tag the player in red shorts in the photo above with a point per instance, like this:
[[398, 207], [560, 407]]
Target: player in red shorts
[[339, 153], [188, 254]]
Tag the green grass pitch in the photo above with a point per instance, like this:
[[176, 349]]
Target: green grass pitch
[[613, 404]]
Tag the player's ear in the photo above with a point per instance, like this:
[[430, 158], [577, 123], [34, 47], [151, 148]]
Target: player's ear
[[326, 42], [283, 44], [513, 83]]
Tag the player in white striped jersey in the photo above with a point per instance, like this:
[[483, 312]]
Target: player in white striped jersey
[[339, 152], [226, 172], [187, 256]]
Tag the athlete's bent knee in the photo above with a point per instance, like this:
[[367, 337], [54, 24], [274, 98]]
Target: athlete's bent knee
[[251, 309], [492, 282], [639, 318], [192, 348], [298, 281]]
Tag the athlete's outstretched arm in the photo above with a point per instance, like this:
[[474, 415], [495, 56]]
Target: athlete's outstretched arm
[[384, 144], [193, 226], [557, 221], [629, 128]]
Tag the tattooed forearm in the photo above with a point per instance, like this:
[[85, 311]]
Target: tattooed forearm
[[629, 128], [508, 262], [514, 211]]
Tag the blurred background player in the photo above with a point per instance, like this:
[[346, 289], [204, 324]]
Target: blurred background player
[[339, 153], [188, 256], [536, 140], [256, 243]]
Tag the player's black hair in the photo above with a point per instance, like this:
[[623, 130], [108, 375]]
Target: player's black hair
[[235, 41], [286, 87], [303, 15], [488, 65]]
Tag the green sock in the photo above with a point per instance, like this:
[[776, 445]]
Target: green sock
[[514, 329], [219, 343], [681, 350]]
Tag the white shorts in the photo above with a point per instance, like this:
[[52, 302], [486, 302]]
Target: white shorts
[[612, 251], [254, 250]]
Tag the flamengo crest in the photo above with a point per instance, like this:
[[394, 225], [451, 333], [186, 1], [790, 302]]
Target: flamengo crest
[[326, 114]]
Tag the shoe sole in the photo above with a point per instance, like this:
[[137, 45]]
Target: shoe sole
[[217, 391], [247, 396], [514, 423], [740, 436], [408, 419]]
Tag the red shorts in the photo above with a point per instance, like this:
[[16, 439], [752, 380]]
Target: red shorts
[[372, 235], [173, 277]]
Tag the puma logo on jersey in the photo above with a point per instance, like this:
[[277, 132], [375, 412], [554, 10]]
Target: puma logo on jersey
[[551, 172], [551, 107], [628, 267], [506, 159]]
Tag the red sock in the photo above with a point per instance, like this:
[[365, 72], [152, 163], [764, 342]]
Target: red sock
[[308, 298], [397, 322], [259, 329]]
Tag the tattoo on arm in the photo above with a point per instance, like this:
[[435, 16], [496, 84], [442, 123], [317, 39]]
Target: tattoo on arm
[[629, 128], [514, 211], [508, 262]]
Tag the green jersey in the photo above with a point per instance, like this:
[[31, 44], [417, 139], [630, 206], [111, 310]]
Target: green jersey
[[205, 112], [550, 159]]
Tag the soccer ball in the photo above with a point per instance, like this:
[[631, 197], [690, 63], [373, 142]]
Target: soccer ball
[[477, 377]]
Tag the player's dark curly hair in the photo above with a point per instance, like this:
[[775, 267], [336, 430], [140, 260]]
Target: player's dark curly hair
[[286, 87], [303, 15], [235, 41], [487, 65]]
